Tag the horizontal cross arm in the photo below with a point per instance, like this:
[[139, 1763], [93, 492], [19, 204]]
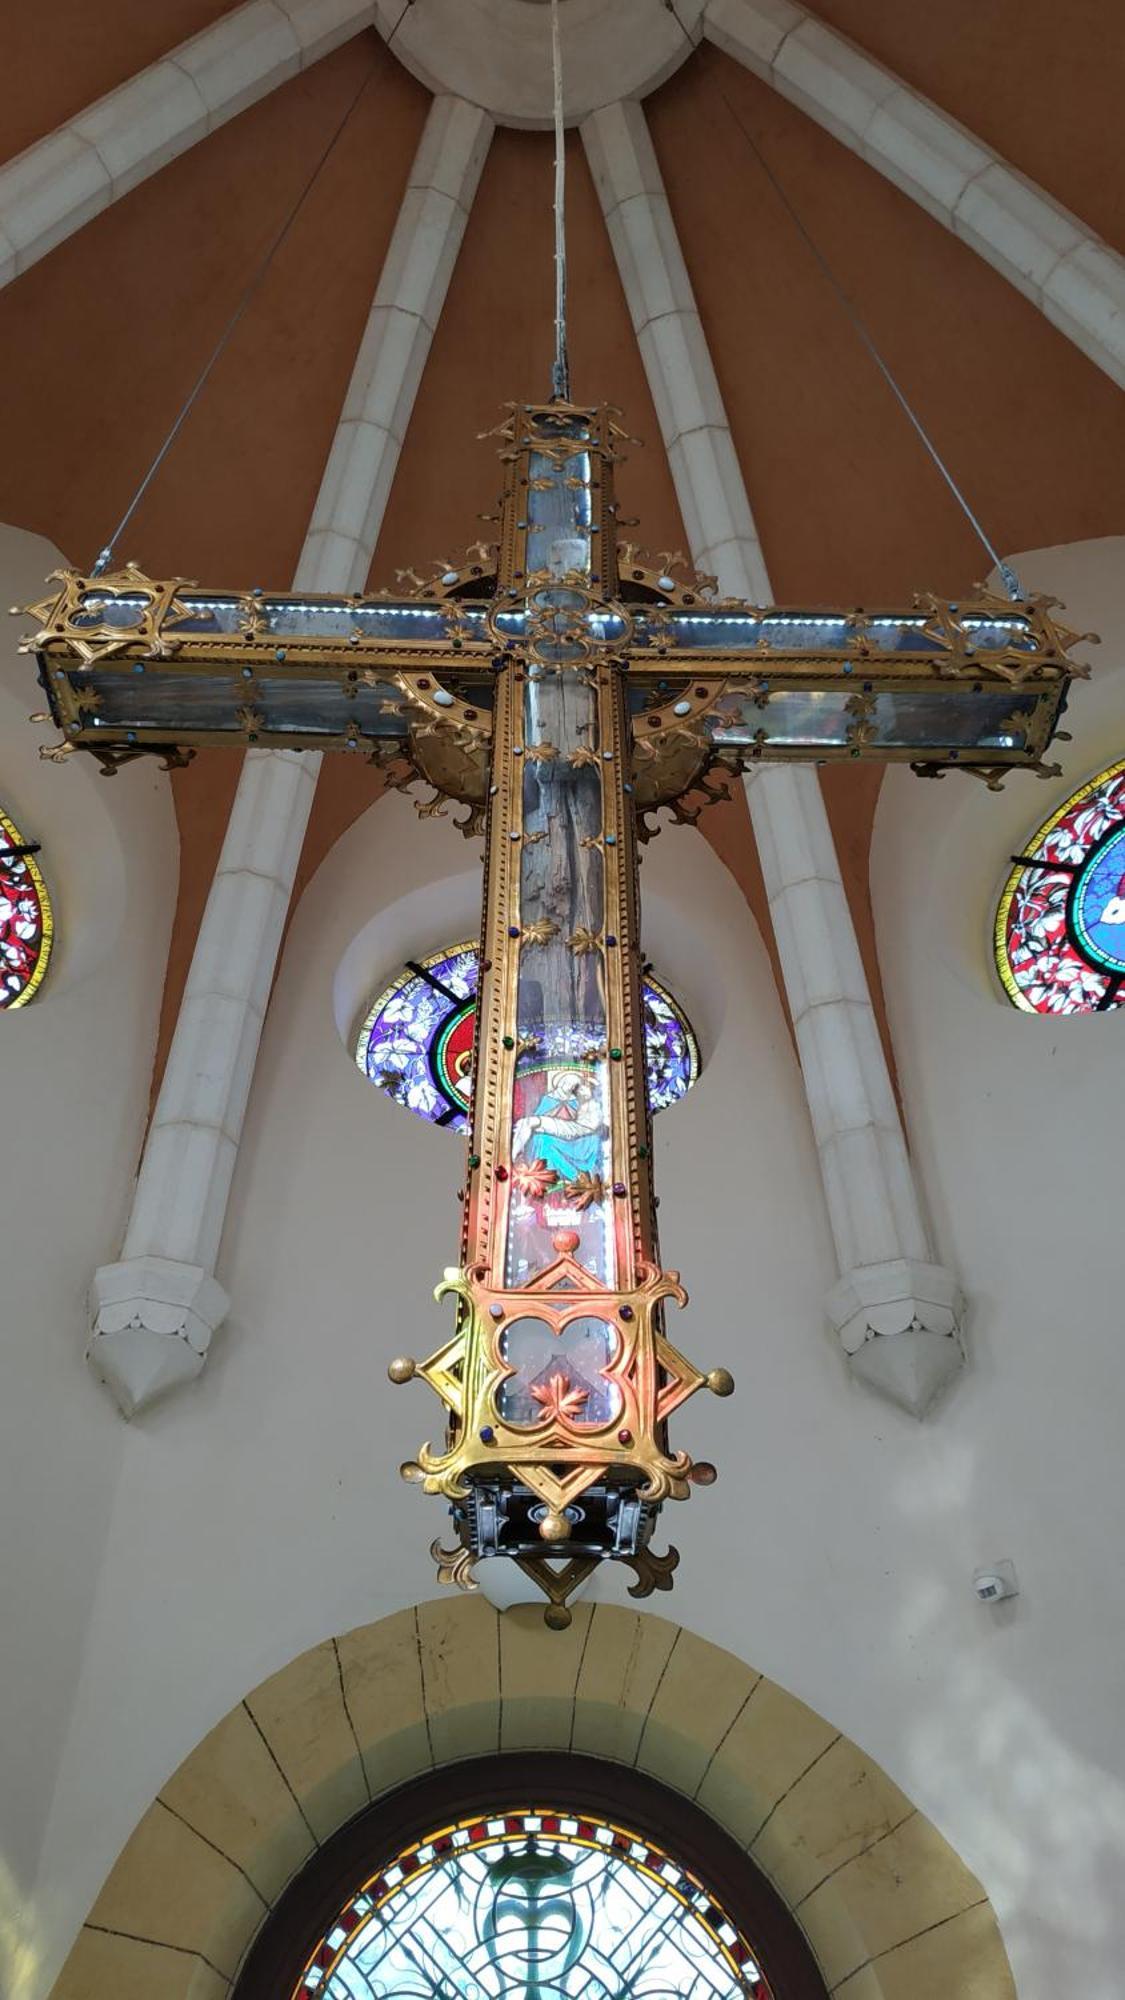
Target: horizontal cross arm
[[128, 666], [982, 684]]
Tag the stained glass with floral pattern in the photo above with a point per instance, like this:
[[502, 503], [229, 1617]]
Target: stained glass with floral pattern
[[544, 1905], [26, 926], [417, 1041], [1060, 927]]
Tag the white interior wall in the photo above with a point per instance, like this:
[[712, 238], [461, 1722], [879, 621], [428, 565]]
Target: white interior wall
[[74, 1075], [262, 1510], [1016, 1120]]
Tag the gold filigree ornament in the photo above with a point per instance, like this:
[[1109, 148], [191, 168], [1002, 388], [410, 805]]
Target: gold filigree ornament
[[484, 659], [559, 1456], [71, 615], [455, 1566]]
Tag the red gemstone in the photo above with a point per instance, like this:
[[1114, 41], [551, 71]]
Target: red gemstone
[[501, 1173], [566, 1240], [624, 1437]]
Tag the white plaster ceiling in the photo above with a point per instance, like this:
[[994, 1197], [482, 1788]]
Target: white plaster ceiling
[[497, 53]]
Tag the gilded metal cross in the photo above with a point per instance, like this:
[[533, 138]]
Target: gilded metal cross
[[563, 690]]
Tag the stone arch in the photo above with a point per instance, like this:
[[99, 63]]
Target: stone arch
[[891, 1912]]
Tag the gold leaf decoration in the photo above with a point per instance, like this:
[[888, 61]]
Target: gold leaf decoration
[[559, 1397], [585, 1191], [583, 941]]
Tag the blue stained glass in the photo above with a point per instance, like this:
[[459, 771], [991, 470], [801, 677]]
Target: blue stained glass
[[1098, 905], [417, 1041]]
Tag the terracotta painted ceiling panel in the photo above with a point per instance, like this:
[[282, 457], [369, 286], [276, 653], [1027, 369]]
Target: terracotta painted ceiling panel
[[494, 345], [848, 505], [59, 56], [1038, 80], [101, 341]]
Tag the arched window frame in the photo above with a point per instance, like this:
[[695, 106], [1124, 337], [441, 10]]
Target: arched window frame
[[275, 1965]]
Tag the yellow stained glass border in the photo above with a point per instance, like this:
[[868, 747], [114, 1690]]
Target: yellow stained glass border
[[648, 1857], [14, 838], [1031, 847]]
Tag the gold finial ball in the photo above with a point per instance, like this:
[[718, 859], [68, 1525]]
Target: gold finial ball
[[720, 1381], [554, 1527], [411, 1472], [402, 1368], [557, 1617], [703, 1473]]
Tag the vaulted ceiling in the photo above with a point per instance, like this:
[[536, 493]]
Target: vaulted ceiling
[[102, 339]]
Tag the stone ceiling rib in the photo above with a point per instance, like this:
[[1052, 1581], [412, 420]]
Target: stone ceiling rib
[[1066, 270], [154, 1311], [53, 188], [1076, 280], [896, 1311]]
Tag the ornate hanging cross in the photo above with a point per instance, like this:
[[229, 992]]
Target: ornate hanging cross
[[564, 691]]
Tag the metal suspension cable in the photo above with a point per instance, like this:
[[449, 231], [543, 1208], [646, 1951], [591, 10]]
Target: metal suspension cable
[[1007, 574], [560, 373], [105, 555]]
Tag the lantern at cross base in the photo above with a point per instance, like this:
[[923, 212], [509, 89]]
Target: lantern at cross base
[[559, 1379]]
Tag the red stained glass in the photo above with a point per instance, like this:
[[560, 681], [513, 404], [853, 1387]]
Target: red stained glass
[[26, 926], [1060, 926]]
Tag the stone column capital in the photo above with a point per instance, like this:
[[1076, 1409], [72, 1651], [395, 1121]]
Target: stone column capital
[[151, 1322], [900, 1325]]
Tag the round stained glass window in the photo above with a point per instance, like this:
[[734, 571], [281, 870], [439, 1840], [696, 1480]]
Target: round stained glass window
[[26, 926], [536, 1904], [417, 1041], [1060, 927]]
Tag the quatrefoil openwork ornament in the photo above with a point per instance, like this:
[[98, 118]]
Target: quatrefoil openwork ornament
[[559, 1372]]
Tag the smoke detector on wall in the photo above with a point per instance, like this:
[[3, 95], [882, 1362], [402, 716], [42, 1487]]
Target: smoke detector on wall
[[996, 1582]]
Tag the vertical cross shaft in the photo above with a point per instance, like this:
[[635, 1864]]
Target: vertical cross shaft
[[559, 1379]]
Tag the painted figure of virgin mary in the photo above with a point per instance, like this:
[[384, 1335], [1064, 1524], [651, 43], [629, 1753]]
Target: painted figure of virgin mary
[[565, 1130]]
